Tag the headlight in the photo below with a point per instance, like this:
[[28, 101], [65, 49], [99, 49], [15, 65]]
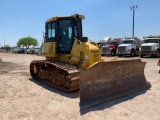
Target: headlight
[[110, 49], [156, 48]]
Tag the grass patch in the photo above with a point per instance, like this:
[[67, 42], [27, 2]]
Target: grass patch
[[5, 63]]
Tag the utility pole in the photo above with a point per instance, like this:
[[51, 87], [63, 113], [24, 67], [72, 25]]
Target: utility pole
[[133, 8], [4, 44]]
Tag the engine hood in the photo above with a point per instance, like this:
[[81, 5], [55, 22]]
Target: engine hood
[[106, 46], [111, 46], [149, 44], [125, 45]]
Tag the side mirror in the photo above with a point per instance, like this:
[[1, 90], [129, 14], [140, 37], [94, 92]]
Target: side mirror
[[44, 34]]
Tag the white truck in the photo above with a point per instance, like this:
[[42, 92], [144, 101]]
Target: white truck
[[104, 41], [150, 46], [130, 46]]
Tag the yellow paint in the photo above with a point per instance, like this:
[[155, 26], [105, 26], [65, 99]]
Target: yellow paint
[[83, 54], [49, 49]]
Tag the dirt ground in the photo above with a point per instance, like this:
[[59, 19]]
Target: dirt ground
[[24, 99]]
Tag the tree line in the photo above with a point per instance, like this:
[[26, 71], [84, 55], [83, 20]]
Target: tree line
[[25, 42]]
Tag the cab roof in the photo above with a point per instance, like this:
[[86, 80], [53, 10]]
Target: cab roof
[[71, 16], [151, 37]]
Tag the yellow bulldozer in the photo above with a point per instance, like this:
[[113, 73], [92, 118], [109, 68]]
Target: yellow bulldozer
[[73, 63]]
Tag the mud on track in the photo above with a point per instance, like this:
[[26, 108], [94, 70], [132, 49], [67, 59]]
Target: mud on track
[[25, 99]]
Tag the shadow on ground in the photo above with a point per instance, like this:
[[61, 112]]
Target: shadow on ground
[[69, 95], [113, 102], [102, 106]]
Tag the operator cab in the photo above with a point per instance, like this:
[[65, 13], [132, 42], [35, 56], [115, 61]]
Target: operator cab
[[63, 30]]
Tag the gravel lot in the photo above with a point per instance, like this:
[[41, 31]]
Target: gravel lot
[[23, 99]]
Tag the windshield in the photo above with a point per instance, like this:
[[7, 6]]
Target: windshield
[[151, 41], [127, 42], [112, 43]]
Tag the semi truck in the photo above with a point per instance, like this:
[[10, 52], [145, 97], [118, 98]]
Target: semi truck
[[150, 47], [130, 46], [103, 41], [111, 47]]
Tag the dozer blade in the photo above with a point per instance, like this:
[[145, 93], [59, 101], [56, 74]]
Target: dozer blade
[[106, 81]]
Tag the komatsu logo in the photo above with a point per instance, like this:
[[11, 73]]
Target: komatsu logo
[[94, 51]]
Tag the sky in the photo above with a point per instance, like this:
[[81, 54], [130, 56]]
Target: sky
[[103, 18]]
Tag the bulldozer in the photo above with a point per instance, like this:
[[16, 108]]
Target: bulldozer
[[72, 63]]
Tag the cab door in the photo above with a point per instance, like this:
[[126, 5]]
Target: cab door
[[65, 36]]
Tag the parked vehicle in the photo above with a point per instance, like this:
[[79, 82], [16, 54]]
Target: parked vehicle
[[30, 51], [36, 50], [19, 50], [151, 46], [104, 41], [1, 50], [111, 47], [130, 46]]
